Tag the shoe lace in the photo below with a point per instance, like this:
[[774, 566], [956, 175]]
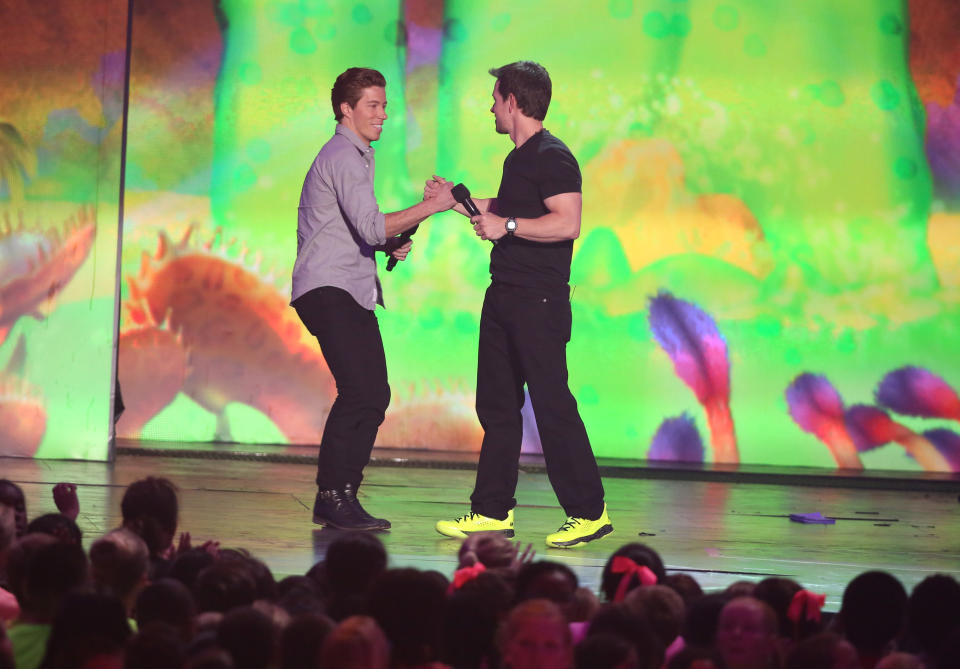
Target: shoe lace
[[469, 516], [569, 524]]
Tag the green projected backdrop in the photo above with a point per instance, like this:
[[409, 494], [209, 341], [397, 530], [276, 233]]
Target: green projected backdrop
[[62, 68], [769, 264]]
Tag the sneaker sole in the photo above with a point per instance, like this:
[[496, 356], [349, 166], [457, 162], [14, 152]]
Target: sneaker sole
[[602, 532], [460, 534]]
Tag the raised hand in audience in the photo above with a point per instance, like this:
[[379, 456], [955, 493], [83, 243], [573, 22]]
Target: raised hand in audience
[[65, 497]]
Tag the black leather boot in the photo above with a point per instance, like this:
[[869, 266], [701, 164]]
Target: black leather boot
[[350, 492], [335, 508]]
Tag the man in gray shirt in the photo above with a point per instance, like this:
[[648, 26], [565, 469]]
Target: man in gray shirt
[[335, 289]]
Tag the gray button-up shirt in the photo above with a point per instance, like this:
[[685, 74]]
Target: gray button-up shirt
[[339, 222]]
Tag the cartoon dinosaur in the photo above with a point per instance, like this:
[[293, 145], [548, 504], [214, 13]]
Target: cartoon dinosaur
[[244, 342], [36, 264], [23, 417]]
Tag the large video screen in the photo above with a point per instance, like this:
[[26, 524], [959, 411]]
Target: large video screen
[[62, 73], [768, 269]]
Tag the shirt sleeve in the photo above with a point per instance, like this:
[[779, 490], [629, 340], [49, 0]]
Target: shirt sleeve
[[559, 173], [354, 189]]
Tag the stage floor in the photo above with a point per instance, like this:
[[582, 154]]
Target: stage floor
[[719, 531]]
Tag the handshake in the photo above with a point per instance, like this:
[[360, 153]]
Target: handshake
[[486, 224]]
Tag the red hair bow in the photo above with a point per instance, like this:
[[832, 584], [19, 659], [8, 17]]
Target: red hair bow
[[807, 605], [627, 567], [465, 575]]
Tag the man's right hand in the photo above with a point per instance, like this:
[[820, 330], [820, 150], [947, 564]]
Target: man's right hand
[[440, 195], [432, 187]]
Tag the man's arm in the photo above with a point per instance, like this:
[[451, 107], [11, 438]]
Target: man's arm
[[560, 224]]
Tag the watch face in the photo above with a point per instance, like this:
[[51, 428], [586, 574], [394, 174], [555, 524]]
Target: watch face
[[511, 224]]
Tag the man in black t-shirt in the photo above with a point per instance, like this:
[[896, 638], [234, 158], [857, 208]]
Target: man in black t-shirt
[[525, 321]]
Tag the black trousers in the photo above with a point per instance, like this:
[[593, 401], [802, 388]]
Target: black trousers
[[349, 337], [523, 339]]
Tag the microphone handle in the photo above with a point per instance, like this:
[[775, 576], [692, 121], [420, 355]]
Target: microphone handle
[[404, 238]]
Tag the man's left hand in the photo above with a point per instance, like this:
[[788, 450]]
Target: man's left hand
[[489, 226], [397, 250]]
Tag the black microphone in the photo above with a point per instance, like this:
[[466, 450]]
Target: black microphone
[[462, 195], [404, 238]]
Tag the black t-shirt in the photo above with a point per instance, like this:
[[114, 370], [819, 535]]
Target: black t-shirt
[[539, 168]]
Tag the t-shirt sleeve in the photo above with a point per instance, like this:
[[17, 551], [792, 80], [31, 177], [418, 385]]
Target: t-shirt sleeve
[[559, 173]]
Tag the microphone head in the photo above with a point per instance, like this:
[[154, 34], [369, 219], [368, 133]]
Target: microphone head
[[460, 193]]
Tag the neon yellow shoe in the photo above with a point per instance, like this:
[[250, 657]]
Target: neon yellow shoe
[[474, 522], [579, 531]]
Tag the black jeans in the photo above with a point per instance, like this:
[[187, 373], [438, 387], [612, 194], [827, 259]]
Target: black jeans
[[523, 339], [349, 337]]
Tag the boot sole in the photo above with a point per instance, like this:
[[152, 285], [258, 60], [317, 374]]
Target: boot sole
[[323, 522], [602, 532]]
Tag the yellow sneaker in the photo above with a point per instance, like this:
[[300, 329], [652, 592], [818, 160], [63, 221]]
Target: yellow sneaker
[[474, 522], [578, 531]]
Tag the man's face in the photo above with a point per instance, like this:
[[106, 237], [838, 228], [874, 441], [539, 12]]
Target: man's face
[[366, 119], [11, 496], [499, 110]]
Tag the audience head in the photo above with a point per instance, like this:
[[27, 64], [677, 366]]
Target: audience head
[[58, 526], [778, 593], [224, 585], [684, 585], [90, 630], [266, 585], [663, 609], [933, 611], [700, 626], [42, 571], [155, 646], [408, 605], [872, 611], [535, 634], [747, 634], [544, 579], [302, 639], [188, 565], [353, 561], [473, 614], [150, 510], [119, 562], [8, 529], [300, 595], [695, 658], [605, 651], [356, 643], [11, 495], [249, 636], [624, 570], [826, 650], [618, 619], [899, 661], [740, 589], [167, 601]]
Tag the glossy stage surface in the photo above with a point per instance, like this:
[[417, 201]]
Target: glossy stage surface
[[718, 526]]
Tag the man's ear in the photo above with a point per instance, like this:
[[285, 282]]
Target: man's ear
[[346, 110], [512, 102]]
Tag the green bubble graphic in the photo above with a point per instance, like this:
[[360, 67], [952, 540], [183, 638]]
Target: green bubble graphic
[[655, 25], [885, 95], [754, 46], [361, 14], [455, 31], [831, 94], [726, 17], [680, 25], [301, 41], [259, 150], [905, 168], [890, 24], [250, 73]]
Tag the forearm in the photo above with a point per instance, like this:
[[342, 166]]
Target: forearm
[[399, 221], [483, 204], [552, 227]]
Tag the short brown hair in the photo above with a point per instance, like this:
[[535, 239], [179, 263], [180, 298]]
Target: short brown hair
[[349, 87], [530, 85]]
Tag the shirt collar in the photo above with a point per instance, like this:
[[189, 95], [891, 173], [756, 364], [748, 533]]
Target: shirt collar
[[353, 139]]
